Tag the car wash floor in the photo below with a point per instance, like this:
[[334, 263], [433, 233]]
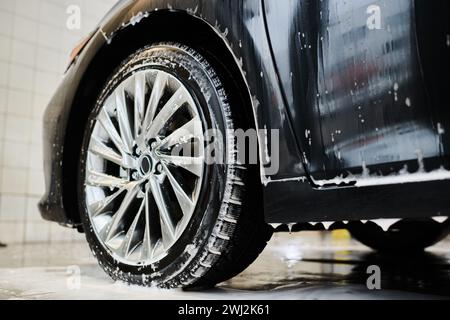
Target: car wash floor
[[294, 266]]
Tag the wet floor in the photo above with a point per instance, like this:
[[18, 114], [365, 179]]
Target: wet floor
[[299, 266]]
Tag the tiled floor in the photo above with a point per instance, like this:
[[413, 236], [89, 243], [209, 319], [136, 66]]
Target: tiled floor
[[302, 266]]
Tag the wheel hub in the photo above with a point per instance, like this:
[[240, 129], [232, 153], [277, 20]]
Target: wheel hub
[[145, 165]]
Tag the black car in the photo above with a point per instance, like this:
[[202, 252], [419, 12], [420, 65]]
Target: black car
[[344, 103]]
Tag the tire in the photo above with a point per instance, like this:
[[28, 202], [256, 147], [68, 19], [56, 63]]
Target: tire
[[225, 232], [404, 236]]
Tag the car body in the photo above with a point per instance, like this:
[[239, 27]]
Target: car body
[[348, 100]]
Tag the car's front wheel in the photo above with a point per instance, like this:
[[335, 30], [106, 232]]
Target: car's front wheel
[[156, 210]]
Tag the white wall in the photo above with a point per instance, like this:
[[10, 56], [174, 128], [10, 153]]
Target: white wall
[[34, 48]]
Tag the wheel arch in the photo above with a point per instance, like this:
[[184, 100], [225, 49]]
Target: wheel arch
[[196, 33]]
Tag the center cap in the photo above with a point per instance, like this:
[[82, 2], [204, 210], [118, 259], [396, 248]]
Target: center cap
[[145, 165]]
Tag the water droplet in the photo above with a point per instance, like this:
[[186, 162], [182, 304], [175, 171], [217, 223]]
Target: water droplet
[[440, 129], [408, 102], [290, 225]]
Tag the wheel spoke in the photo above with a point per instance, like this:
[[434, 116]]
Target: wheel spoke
[[97, 179], [129, 237], [101, 149], [192, 164], [167, 227], [139, 101], [111, 229], [155, 97], [105, 121], [99, 207], [192, 129], [124, 120], [175, 102], [184, 200], [147, 250]]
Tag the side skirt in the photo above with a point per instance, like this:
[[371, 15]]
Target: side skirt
[[297, 202]]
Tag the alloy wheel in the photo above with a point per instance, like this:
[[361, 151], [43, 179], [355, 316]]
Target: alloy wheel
[[145, 166]]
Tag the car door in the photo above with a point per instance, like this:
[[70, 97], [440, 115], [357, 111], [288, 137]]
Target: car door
[[354, 87]]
